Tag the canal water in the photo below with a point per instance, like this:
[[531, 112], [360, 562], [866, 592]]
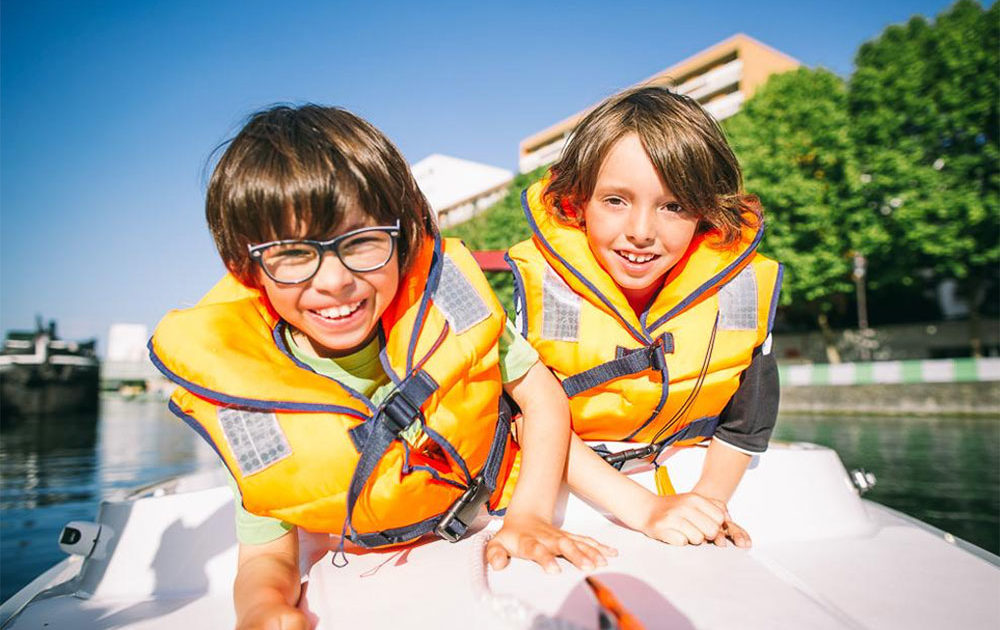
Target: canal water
[[945, 471]]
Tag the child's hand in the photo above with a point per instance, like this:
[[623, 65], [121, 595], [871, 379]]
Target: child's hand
[[274, 616], [687, 518], [534, 539], [730, 530]]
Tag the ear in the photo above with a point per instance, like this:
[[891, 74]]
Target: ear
[[569, 210]]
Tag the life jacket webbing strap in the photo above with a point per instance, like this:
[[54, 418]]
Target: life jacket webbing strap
[[702, 427], [630, 362], [381, 437], [394, 415], [456, 521], [488, 475]]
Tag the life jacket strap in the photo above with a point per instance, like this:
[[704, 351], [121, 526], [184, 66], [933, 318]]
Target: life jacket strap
[[626, 363], [703, 427], [456, 521], [400, 409]]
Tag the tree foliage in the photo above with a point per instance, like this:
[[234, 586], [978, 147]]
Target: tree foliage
[[498, 228], [924, 104], [793, 141]]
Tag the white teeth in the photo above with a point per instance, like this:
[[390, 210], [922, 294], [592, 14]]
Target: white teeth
[[337, 312], [637, 258]]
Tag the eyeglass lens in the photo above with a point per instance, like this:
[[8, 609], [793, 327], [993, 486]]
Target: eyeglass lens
[[296, 262]]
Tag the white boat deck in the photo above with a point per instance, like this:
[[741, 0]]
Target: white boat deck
[[822, 558]]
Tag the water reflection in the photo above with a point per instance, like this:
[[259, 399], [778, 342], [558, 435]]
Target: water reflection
[[57, 469], [945, 471]]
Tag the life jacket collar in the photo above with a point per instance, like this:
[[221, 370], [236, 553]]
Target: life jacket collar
[[581, 270]]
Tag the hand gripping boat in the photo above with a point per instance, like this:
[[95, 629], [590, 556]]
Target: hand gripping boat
[[822, 557]]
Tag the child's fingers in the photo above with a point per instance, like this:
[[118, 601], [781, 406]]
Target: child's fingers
[[593, 552], [738, 535], [672, 536], [537, 552], [496, 555], [704, 523], [714, 512], [592, 549], [601, 547], [576, 554]]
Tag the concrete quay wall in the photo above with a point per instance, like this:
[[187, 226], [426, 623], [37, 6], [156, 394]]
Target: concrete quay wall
[[932, 387]]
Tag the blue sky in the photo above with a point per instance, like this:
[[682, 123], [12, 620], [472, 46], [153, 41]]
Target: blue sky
[[109, 110]]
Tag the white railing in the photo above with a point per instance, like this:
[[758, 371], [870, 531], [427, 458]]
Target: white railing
[[713, 80], [543, 155], [726, 106]]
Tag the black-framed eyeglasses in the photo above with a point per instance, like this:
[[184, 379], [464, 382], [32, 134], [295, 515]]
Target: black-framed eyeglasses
[[295, 261]]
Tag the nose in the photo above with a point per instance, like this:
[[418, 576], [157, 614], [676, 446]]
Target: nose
[[332, 277], [640, 228]]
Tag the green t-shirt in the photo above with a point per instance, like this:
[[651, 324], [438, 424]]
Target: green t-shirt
[[362, 372]]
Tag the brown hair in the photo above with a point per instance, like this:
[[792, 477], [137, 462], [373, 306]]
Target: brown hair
[[684, 143], [293, 172]]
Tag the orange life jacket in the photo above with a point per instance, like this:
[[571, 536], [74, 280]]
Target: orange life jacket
[[309, 450], [662, 377]]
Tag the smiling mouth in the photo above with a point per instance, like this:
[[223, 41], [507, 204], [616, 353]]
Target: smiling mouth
[[334, 313], [636, 259]]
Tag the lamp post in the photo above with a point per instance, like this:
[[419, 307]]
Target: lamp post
[[858, 273]]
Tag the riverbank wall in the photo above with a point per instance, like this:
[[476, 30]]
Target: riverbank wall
[[929, 387]]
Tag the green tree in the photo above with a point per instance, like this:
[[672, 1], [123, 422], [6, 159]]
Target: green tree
[[924, 104], [499, 227], [795, 147]]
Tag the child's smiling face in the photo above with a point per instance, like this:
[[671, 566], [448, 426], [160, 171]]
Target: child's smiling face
[[635, 226], [337, 310]]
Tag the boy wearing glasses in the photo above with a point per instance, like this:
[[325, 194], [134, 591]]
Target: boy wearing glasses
[[349, 369]]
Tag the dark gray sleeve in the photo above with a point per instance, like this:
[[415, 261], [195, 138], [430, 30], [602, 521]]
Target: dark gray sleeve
[[748, 419]]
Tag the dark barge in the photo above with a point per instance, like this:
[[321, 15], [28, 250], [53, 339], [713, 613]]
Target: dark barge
[[42, 374]]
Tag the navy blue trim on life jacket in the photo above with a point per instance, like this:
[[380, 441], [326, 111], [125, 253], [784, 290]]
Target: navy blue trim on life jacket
[[383, 358], [706, 286], [192, 422], [249, 403], [433, 277], [775, 297], [579, 276], [518, 291], [278, 335]]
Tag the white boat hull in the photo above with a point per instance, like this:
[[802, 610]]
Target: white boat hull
[[822, 558]]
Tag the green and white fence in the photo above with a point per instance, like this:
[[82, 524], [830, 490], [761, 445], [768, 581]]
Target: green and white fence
[[878, 372]]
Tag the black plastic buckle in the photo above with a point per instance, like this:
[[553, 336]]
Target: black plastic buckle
[[656, 361], [399, 412], [619, 459], [462, 512]]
